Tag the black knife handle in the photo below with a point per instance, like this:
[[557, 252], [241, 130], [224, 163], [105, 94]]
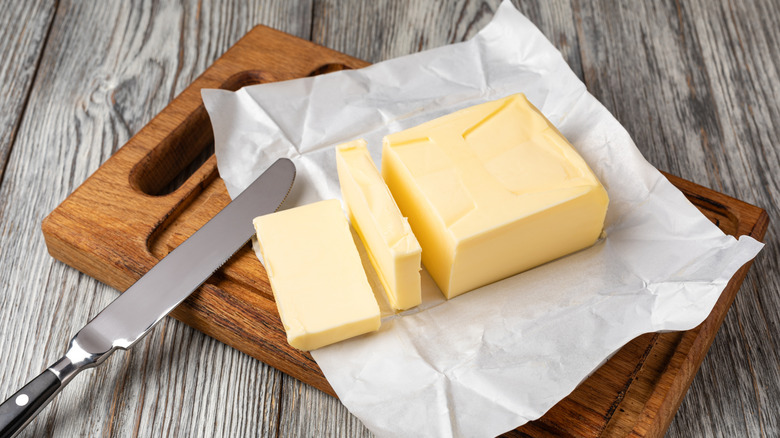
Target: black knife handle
[[21, 407]]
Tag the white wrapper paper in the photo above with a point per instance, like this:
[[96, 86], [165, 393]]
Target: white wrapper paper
[[497, 357]]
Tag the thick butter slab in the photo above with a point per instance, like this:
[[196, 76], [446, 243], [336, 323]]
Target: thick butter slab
[[491, 191], [321, 290], [386, 234]]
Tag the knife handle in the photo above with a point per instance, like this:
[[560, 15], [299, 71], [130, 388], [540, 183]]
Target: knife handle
[[21, 407]]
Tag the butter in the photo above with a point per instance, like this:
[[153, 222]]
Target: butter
[[321, 290], [392, 248], [491, 191]]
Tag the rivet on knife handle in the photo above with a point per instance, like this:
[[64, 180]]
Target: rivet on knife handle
[[134, 313]]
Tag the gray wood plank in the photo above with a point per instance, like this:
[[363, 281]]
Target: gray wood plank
[[309, 412], [107, 69], [380, 30], [24, 27], [695, 83], [739, 380]]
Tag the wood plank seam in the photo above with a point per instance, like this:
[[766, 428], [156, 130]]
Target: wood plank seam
[[28, 91]]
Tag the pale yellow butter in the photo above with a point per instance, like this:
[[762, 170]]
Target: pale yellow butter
[[389, 241], [491, 191], [321, 290]]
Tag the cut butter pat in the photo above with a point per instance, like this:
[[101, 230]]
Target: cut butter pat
[[321, 290], [491, 191], [389, 241]]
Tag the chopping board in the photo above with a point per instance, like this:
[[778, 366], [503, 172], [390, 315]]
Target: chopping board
[[163, 185]]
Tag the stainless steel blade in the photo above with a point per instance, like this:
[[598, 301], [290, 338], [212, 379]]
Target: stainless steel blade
[[134, 313], [175, 277]]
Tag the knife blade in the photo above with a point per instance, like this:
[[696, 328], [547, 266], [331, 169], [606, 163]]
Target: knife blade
[[135, 312]]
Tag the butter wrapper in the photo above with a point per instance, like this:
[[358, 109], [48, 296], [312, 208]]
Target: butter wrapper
[[499, 356]]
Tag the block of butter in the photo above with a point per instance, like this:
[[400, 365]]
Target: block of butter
[[490, 191], [319, 285], [389, 241]]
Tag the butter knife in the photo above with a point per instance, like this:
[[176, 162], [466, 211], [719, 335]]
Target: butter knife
[[135, 312]]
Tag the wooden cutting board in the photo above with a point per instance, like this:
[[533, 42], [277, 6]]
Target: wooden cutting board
[[131, 212]]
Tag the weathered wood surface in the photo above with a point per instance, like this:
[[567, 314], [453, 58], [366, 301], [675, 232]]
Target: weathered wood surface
[[694, 82], [24, 28]]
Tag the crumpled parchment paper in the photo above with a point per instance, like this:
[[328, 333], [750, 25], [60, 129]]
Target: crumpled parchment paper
[[497, 357]]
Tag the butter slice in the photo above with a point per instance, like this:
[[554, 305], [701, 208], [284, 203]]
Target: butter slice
[[321, 290], [389, 241], [491, 191]]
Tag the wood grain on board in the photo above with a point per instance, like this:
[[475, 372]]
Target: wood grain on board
[[694, 82], [116, 226]]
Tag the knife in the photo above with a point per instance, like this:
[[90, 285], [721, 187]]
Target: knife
[[135, 312]]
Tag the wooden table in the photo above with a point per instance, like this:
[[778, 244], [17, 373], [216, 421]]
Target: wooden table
[[694, 82]]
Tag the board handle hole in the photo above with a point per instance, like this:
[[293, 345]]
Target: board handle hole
[[187, 148], [178, 156], [190, 145], [328, 68]]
